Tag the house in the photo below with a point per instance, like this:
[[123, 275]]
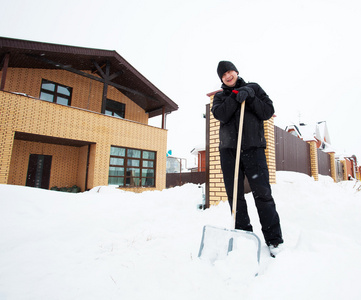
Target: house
[[317, 132], [200, 153], [179, 172], [346, 165], [74, 116]]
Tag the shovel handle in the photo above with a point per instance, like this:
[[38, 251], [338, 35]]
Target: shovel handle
[[236, 168]]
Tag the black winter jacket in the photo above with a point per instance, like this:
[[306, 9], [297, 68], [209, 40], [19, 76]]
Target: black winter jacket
[[226, 109]]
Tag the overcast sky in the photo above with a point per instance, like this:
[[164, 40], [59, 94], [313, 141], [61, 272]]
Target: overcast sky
[[304, 53]]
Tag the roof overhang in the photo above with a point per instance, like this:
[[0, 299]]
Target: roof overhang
[[102, 65]]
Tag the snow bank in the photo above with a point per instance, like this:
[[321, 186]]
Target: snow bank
[[111, 244]]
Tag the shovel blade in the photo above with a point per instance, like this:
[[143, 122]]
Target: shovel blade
[[217, 243]]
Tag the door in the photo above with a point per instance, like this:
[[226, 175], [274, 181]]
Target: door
[[39, 171]]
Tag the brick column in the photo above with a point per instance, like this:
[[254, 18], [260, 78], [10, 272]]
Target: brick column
[[6, 147], [269, 132], [333, 166], [314, 160], [217, 191], [7, 133]]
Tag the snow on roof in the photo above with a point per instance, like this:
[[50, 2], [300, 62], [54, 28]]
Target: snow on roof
[[343, 156], [198, 148], [309, 132], [328, 148], [322, 132]]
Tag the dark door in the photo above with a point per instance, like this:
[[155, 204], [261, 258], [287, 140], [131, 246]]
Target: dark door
[[39, 171]]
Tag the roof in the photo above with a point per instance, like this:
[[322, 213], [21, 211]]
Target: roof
[[311, 131], [213, 93], [111, 67], [198, 149]]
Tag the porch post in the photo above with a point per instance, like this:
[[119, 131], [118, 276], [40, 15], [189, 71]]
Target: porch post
[[4, 71], [163, 117]]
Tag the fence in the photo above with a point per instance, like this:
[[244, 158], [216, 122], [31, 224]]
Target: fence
[[324, 163], [292, 153], [177, 179]]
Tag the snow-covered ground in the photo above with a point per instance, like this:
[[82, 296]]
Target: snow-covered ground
[[111, 244]]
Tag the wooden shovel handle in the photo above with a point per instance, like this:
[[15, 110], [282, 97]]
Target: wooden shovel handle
[[236, 169]]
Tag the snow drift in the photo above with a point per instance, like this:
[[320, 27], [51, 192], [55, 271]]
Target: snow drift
[[112, 244]]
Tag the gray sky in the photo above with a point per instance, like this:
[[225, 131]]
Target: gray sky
[[304, 53]]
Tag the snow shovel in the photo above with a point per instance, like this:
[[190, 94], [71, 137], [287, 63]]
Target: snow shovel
[[216, 242]]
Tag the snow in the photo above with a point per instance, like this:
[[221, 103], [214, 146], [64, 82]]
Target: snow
[[112, 244]]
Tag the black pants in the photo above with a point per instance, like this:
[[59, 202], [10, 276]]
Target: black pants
[[253, 164]]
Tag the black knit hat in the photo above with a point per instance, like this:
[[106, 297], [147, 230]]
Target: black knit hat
[[225, 66]]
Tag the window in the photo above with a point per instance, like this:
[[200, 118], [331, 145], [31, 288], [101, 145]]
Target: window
[[54, 92], [115, 109], [131, 167]]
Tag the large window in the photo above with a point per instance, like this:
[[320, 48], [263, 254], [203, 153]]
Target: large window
[[131, 167], [54, 92], [115, 109]]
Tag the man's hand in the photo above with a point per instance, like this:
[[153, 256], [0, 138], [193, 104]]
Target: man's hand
[[242, 96], [243, 93], [249, 90]]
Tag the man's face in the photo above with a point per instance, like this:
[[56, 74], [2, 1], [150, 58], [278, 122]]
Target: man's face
[[230, 78]]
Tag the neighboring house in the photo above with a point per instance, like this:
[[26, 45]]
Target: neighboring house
[[179, 173], [349, 166], [78, 116], [346, 165], [317, 132], [200, 153]]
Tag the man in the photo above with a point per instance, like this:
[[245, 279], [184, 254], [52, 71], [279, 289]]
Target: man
[[258, 108]]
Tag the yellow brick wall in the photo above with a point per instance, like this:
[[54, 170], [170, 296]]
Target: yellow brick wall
[[6, 135], [269, 132], [314, 160], [23, 114], [65, 163], [92, 170], [87, 93], [333, 166], [82, 164], [217, 191]]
